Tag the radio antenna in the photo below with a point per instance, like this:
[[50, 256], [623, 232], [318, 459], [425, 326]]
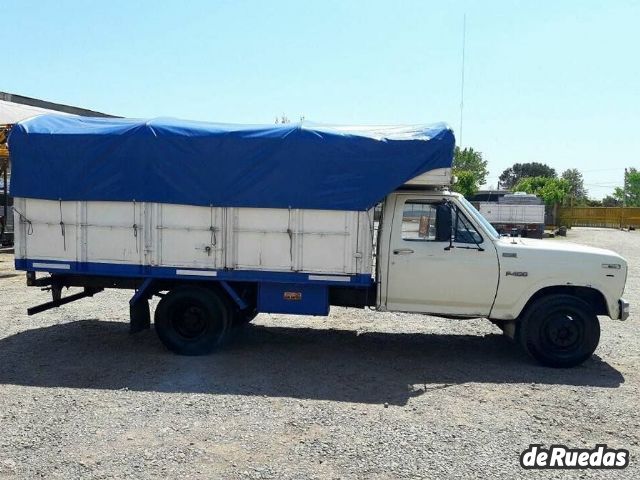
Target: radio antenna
[[464, 41]]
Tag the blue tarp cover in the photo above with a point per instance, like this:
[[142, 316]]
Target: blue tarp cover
[[184, 162]]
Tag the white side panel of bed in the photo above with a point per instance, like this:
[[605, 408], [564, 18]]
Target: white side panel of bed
[[139, 233]]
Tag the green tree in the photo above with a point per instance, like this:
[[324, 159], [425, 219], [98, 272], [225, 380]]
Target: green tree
[[576, 181], [610, 201], [470, 170], [512, 175], [471, 161], [630, 194], [551, 190], [466, 183]]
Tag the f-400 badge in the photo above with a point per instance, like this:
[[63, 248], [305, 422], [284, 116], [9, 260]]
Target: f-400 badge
[[517, 274]]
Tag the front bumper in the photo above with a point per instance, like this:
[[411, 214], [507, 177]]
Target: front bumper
[[623, 308]]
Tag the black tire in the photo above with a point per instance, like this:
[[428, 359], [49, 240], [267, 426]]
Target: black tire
[[559, 331], [238, 318], [192, 320]]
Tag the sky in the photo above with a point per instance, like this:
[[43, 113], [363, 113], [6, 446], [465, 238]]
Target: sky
[[556, 82]]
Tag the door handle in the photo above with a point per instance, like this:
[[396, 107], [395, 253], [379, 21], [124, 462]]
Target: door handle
[[402, 251]]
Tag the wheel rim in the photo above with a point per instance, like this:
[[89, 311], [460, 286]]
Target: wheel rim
[[562, 333], [189, 320]]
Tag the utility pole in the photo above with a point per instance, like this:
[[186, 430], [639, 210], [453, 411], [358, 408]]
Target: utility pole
[[624, 199], [624, 189]]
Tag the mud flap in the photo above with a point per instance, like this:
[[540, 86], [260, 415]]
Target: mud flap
[[139, 314]]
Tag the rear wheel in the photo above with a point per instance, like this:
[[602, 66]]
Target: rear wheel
[[192, 320], [559, 330]]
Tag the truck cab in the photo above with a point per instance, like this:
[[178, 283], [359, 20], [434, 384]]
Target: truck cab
[[438, 255]]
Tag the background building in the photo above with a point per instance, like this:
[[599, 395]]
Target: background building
[[14, 108]]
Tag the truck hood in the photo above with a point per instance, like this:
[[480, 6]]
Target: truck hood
[[568, 250]]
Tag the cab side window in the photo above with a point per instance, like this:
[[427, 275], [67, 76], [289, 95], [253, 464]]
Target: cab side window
[[419, 221], [436, 222]]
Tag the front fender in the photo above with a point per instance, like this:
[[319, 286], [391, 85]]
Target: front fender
[[512, 298]]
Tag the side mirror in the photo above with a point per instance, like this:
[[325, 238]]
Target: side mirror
[[444, 223]]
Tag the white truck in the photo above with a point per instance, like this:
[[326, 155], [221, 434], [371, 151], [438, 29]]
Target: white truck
[[280, 219]]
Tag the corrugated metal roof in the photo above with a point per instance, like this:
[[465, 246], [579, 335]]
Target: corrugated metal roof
[[14, 108], [14, 112]]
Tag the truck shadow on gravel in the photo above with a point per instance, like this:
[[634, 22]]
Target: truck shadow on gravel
[[337, 365]]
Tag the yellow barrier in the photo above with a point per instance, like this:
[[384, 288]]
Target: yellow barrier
[[615, 217]]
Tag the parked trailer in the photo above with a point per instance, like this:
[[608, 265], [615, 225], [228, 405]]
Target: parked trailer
[[514, 219], [6, 220], [223, 222]]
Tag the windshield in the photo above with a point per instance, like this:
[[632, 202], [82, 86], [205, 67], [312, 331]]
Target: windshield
[[479, 218]]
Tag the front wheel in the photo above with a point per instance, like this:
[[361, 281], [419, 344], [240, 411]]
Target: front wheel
[[559, 331]]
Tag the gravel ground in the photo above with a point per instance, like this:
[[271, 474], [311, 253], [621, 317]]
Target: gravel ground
[[356, 395]]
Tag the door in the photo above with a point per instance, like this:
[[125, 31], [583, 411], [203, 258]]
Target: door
[[438, 259]]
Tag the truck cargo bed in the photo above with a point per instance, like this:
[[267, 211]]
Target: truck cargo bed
[[167, 240]]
